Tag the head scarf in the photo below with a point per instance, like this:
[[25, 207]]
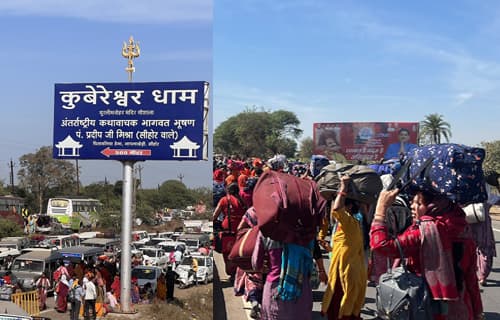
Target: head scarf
[[64, 281]]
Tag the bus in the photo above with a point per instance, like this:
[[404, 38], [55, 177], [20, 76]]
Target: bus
[[11, 207], [74, 213]]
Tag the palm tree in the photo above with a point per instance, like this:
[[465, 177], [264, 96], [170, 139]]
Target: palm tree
[[433, 128]]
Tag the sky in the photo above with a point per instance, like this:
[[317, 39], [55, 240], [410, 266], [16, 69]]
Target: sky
[[60, 41], [361, 61]]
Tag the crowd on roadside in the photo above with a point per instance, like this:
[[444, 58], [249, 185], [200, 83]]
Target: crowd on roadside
[[91, 288], [453, 255]]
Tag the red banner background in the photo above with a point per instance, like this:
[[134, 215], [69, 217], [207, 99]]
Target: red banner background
[[365, 141]]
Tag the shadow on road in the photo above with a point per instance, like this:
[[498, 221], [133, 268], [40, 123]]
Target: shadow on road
[[219, 303], [492, 283], [492, 316]]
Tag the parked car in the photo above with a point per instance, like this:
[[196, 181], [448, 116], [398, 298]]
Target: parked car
[[145, 274], [205, 267], [170, 246], [194, 240], [140, 238], [48, 224], [154, 241], [28, 267], [157, 256], [6, 252], [14, 242]]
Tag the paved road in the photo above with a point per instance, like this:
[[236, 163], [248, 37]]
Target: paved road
[[227, 306]]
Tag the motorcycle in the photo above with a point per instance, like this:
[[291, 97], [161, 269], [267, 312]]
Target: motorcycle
[[186, 279]]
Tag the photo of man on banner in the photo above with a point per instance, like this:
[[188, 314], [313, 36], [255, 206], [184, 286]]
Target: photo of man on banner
[[402, 147]]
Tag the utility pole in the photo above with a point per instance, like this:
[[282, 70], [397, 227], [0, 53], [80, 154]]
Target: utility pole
[[77, 178], [130, 51], [180, 176], [139, 169], [11, 166]]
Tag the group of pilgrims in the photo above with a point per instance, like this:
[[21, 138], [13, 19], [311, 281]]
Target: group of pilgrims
[[93, 288], [360, 245]]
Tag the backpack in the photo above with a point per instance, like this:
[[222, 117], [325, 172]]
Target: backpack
[[218, 192], [365, 182], [455, 172], [318, 161], [288, 208], [250, 184], [57, 274], [72, 294]]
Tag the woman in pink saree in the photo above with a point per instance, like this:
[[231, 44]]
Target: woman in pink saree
[[62, 290], [42, 285]]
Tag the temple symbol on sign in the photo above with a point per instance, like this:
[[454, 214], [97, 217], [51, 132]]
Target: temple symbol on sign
[[185, 148], [68, 147]]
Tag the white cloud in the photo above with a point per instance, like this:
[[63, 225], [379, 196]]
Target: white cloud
[[144, 11], [464, 97], [467, 75]]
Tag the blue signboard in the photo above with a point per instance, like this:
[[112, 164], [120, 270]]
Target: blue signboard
[[131, 121]]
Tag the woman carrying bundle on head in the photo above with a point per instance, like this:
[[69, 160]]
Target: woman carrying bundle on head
[[439, 246], [345, 293]]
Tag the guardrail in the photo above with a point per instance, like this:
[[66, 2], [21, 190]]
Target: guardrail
[[28, 301]]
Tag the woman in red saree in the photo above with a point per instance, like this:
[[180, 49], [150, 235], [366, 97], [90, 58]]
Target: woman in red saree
[[438, 245], [232, 208], [115, 286], [62, 289]]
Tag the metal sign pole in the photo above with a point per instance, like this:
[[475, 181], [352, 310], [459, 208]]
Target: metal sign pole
[[125, 263], [130, 51]]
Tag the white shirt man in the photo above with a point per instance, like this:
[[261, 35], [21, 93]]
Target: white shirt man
[[177, 256]]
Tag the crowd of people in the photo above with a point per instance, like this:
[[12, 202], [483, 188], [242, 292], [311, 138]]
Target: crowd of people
[[455, 257], [92, 288]]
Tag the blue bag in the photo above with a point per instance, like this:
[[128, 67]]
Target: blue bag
[[455, 172], [318, 161], [218, 192], [388, 167]]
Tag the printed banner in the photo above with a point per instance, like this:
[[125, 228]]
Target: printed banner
[[364, 141]]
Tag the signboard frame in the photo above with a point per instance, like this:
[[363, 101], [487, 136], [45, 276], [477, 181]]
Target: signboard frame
[[134, 121]]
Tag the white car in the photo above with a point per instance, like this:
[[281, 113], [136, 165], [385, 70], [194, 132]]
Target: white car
[[156, 256], [140, 238], [205, 267]]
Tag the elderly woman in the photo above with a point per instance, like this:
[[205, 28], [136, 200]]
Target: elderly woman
[[438, 245]]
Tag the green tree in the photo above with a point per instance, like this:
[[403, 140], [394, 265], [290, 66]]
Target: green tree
[[306, 149], [432, 128], [492, 160], [174, 194], [104, 192], [44, 176], [258, 132], [9, 228]]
